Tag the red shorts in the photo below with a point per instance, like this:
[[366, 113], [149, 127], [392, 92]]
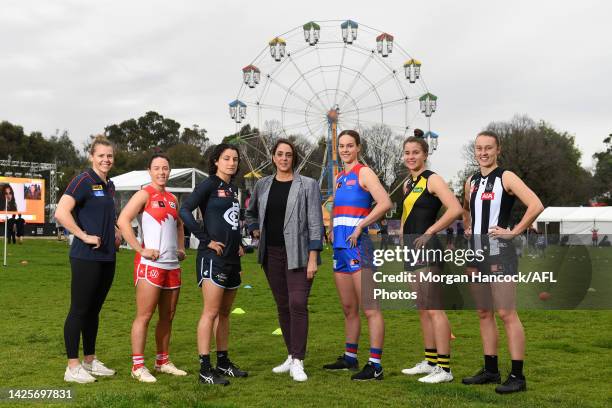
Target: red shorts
[[162, 278]]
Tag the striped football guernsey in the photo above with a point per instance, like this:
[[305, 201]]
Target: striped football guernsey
[[351, 204]]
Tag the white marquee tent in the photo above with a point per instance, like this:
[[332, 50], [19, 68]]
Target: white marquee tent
[[180, 181], [577, 220]]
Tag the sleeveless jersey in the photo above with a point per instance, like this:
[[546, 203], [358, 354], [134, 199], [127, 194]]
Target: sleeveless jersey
[[158, 228], [420, 207], [490, 203], [351, 204]]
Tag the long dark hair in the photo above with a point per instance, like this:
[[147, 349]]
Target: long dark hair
[[11, 205], [216, 154]]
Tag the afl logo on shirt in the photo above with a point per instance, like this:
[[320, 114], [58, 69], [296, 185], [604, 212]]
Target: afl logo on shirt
[[488, 196], [232, 215]]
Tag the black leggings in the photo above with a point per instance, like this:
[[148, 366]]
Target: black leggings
[[91, 281]]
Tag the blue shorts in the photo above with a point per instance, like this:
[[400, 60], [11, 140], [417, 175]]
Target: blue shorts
[[351, 260]]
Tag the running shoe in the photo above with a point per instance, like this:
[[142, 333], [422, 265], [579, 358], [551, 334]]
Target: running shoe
[[482, 377], [78, 375], [342, 364], [283, 368], [512, 384], [169, 368], [421, 368], [231, 370], [297, 370], [211, 377], [142, 374], [96, 367], [438, 375], [369, 372]]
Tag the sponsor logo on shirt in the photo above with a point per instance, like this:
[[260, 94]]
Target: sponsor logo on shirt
[[351, 182], [98, 193], [97, 187], [488, 196], [224, 193], [417, 190], [172, 204]]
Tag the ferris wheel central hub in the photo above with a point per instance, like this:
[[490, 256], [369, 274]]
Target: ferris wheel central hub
[[333, 114]]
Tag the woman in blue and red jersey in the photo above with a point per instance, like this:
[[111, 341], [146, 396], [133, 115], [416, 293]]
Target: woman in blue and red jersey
[[357, 187]]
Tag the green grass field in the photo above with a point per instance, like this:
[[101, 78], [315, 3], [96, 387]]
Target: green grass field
[[568, 363]]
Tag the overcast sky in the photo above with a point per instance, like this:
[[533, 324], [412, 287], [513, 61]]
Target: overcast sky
[[82, 65]]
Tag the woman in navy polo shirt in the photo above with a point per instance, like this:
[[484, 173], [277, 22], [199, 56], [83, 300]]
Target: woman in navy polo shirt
[[89, 196]]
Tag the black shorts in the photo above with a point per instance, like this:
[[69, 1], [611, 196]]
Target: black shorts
[[223, 274], [499, 256]]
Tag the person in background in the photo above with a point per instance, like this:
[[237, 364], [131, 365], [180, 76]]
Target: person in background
[[10, 225], [20, 228]]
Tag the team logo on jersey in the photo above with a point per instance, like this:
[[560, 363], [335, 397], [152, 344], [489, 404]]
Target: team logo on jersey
[[232, 216], [354, 262], [417, 190], [172, 204], [488, 195], [97, 187], [490, 186]]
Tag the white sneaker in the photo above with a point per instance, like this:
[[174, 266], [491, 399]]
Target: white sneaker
[[78, 375], [438, 375], [143, 375], [169, 368], [421, 368], [297, 370], [285, 367], [96, 367]]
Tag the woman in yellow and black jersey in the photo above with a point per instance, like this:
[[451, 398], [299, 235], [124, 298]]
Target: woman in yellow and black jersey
[[424, 195]]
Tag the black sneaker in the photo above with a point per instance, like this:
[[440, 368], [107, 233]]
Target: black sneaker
[[512, 384], [342, 364], [211, 377], [231, 370], [369, 372], [483, 377]]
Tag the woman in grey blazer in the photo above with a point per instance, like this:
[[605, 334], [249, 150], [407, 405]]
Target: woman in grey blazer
[[285, 214]]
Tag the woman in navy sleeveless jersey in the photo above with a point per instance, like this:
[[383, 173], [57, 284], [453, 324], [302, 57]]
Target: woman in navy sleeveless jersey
[[357, 186], [87, 210], [488, 199]]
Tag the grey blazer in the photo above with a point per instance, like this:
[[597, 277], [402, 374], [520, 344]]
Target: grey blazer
[[303, 218]]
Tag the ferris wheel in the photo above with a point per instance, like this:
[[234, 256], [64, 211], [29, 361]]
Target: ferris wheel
[[318, 79]]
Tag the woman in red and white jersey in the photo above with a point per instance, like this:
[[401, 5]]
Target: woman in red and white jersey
[[157, 273]]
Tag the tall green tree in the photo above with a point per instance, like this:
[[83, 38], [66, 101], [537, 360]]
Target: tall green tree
[[603, 172]]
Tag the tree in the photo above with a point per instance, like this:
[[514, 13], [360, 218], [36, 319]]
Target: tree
[[148, 131], [195, 137], [603, 173], [382, 150], [547, 160]]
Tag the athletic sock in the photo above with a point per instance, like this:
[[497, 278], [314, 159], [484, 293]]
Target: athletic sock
[[161, 358], [431, 355], [222, 358], [491, 364], [444, 362], [375, 355], [350, 352], [137, 361], [205, 362], [517, 368]]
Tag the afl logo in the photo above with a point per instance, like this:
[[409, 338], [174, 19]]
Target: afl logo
[[488, 196], [231, 215]]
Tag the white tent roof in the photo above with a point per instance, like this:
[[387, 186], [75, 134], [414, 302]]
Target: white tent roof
[[557, 214], [135, 180]]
